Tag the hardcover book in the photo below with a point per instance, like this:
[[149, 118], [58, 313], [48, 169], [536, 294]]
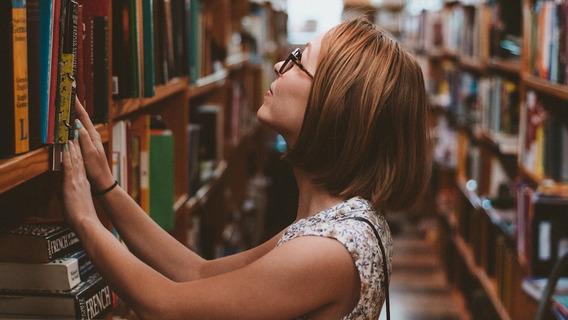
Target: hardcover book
[[60, 274], [37, 243], [14, 131], [90, 299]]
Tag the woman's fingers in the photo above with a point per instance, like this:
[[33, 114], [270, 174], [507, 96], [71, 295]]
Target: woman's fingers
[[83, 116]]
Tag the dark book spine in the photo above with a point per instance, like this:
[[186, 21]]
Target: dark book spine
[[74, 24], [14, 135], [96, 301], [100, 66], [61, 244]]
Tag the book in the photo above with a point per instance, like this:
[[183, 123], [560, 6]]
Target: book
[[123, 68], [37, 242], [211, 137], [100, 69], [148, 46], [14, 130], [60, 274], [68, 75], [549, 234], [46, 18], [140, 128], [34, 122], [161, 158], [90, 299]]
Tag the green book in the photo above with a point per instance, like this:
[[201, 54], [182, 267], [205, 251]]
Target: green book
[[162, 178]]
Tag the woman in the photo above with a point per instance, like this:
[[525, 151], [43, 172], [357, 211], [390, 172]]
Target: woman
[[352, 108]]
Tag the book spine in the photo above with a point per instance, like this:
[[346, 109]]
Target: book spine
[[148, 43], [20, 49], [100, 72], [34, 111], [45, 50], [74, 49], [62, 244], [96, 301], [54, 71]]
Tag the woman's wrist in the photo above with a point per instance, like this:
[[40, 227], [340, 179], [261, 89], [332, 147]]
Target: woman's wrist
[[97, 193]]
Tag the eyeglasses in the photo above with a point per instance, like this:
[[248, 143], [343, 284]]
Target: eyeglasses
[[294, 57]]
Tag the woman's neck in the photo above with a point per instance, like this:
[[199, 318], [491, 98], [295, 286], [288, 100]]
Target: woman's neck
[[312, 198]]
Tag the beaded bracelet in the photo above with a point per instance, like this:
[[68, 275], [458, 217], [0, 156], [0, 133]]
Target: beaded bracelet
[[100, 193]]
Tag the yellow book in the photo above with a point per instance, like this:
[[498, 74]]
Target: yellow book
[[20, 49]]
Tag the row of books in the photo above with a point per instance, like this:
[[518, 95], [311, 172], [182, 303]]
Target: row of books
[[472, 31], [544, 138], [548, 53], [488, 104], [44, 272], [57, 52], [143, 165], [540, 231]]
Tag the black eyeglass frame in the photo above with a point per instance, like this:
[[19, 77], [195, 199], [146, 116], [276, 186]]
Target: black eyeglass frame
[[295, 57]]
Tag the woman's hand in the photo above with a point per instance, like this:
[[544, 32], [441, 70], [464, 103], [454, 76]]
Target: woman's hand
[[77, 199], [93, 152]]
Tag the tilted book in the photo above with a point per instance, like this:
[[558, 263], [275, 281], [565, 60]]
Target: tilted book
[[90, 299], [37, 243], [60, 274]]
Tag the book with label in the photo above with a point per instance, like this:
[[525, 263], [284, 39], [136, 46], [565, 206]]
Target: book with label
[[37, 242], [14, 130], [90, 299], [60, 274]]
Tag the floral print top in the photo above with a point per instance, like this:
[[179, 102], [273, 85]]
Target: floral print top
[[359, 239]]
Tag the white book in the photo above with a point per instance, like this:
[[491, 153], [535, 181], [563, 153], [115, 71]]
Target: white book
[[60, 274]]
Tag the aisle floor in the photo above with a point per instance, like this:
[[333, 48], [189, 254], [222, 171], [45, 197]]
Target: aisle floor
[[419, 289]]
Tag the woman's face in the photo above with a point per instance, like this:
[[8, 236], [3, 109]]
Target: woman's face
[[286, 100]]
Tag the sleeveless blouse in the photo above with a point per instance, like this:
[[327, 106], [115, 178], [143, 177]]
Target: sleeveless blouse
[[359, 239]]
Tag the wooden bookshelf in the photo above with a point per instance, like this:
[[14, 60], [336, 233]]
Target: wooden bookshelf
[[172, 100], [27, 166], [477, 240]]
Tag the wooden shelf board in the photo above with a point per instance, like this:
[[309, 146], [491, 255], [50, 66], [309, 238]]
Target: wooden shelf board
[[543, 85], [208, 83], [173, 87], [21, 168], [512, 66]]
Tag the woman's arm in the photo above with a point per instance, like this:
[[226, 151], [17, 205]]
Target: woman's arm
[[138, 230], [302, 275]]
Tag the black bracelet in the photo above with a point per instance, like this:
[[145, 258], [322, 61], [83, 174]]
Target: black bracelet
[[100, 193]]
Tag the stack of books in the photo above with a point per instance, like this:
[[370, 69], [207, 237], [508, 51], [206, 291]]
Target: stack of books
[[44, 272]]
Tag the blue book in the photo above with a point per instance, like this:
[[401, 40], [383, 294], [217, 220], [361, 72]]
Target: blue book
[[45, 43]]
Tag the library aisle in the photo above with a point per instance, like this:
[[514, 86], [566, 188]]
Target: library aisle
[[419, 289]]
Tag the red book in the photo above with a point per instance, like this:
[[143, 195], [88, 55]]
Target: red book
[[54, 71]]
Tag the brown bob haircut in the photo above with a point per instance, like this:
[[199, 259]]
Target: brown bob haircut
[[365, 126]]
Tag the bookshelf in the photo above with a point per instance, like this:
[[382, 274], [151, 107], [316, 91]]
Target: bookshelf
[[485, 73], [226, 68]]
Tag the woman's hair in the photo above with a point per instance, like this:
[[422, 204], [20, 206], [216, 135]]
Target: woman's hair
[[365, 128]]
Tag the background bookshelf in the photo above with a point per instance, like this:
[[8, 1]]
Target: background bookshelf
[[204, 52], [489, 82]]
